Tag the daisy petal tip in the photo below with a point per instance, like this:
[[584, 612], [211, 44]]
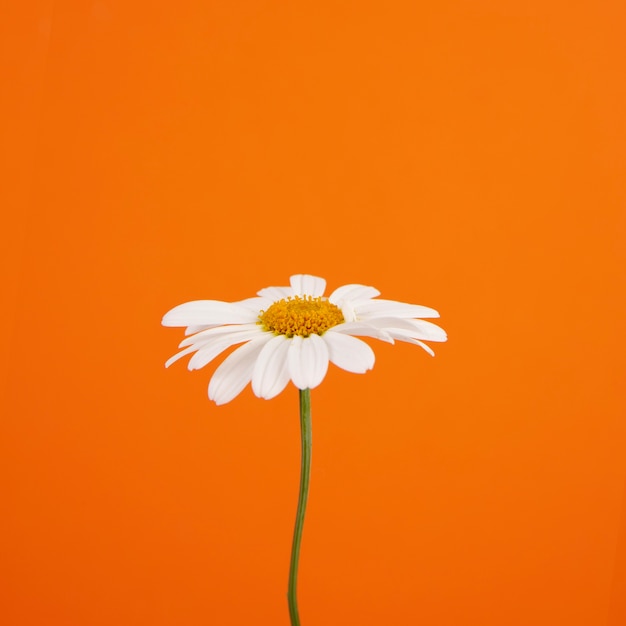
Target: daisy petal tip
[[170, 361], [307, 285], [215, 397]]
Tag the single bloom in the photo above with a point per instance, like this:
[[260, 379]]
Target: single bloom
[[292, 333]]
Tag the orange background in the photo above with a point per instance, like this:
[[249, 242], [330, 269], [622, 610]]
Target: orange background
[[465, 155]]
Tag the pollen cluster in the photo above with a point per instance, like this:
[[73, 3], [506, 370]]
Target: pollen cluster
[[301, 315]]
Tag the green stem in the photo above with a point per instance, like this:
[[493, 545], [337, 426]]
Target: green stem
[[305, 472]]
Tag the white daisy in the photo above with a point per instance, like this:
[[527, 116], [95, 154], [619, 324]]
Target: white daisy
[[292, 333]]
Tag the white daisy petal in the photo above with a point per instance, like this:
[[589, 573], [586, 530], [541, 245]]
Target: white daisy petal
[[307, 285], [190, 330], [179, 355], [276, 293], [423, 345], [207, 312], [256, 304], [235, 372], [363, 329], [349, 353], [402, 335], [429, 331], [391, 308], [215, 331], [420, 329], [208, 351], [347, 310], [353, 292], [308, 361], [271, 374]]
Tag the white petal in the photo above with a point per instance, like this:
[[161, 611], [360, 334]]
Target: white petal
[[347, 310], [419, 329], [353, 292], [391, 308], [208, 351], [179, 355], [271, 374], [363, 329], [256, 305], [428, 330], [308, 361], [190, 330], [276, 293], [402, 335], [207, 312], [202, 338], [235, 372], [216, 331], [307, 285], [423, 345], [349, 353]]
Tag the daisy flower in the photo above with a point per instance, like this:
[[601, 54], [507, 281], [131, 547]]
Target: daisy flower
[[293, 333]]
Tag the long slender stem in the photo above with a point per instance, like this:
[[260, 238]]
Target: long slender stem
[[305, 472]]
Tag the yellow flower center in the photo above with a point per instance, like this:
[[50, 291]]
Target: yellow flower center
[[301, 315]]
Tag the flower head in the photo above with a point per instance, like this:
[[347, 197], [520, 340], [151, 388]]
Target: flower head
[[292, 333]]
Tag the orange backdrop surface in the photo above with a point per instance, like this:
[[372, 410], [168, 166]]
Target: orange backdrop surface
[[468, 155]]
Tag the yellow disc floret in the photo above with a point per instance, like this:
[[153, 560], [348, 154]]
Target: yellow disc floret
[[301, 315]]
